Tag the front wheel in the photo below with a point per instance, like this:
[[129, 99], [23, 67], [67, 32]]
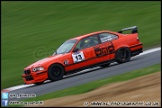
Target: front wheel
[[55, 72], [123, 55]]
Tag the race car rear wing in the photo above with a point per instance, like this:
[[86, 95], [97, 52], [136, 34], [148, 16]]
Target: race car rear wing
[[133, 28]]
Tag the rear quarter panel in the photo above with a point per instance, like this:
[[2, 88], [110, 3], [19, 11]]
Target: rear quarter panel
[[125, 40]]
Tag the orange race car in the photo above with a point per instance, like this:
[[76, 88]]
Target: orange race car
[[94, 49]]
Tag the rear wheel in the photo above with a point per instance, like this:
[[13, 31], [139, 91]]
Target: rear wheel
[[123, 55], [55, 72], [105, 65]]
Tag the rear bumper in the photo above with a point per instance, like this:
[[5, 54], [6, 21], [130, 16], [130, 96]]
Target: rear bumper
[[136, 52], [34, 77], [136, 49]]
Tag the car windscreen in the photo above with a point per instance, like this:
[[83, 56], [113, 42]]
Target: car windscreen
[[66, 46]]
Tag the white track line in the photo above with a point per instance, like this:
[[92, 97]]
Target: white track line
[[149, 51], [24, 86], [15, 88]]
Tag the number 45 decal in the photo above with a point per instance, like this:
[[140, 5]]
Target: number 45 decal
[[78, 56]]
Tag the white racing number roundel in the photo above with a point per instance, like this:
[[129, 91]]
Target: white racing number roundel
[[78, 57]]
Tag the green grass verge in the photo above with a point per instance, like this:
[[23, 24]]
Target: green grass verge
[[33, 30]]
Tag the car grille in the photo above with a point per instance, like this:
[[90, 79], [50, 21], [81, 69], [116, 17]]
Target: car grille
[[26, 71], [28, 78]]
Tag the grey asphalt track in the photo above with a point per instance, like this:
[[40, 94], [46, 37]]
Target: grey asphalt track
[[93, 74]]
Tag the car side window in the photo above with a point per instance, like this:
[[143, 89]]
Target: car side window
[[88, 42], [104, 37]]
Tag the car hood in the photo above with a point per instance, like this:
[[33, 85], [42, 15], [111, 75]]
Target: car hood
[[44, 60]]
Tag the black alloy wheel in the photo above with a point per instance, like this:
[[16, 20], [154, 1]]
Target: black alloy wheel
[[55, 72], [123, 55]]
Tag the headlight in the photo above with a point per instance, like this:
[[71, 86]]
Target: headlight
[[38, 69]]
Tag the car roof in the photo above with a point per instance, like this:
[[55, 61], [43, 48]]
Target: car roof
[[93, 33]]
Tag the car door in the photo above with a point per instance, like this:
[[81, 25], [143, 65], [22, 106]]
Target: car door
[[85, 54], [105, 50]]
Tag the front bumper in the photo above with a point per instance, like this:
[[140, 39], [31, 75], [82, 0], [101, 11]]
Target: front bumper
[[34, 77]]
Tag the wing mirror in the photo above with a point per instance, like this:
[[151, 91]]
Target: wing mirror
[[75, 50]]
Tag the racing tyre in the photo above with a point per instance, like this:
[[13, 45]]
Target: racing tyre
[[55, 72], [105, 65], [123, 55]]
